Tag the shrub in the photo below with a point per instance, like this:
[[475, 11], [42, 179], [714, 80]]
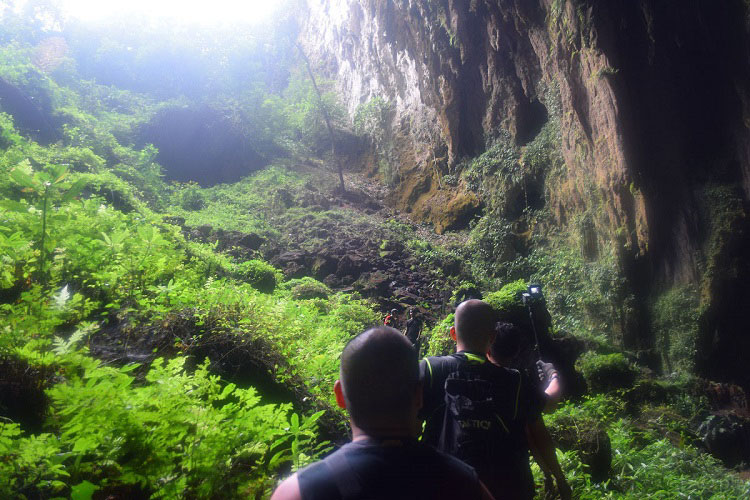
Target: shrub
[[307, 288], [192, 198], [605, 372], [261, 275], [466, 290], [440, 341]]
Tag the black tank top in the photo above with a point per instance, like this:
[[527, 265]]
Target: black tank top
[[388, 469]]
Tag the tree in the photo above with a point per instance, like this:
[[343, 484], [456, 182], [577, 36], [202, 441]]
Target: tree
[[326, 117]]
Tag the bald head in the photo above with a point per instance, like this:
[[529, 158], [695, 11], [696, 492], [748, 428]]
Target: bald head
[[474, 322], [379, 376]]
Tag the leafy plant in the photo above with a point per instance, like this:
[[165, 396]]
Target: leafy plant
[[259, 274]]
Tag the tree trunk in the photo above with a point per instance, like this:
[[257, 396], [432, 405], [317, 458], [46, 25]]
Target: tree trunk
[[326, 117]]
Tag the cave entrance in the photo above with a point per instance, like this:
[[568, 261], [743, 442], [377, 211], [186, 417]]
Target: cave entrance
[[531, 117], [200, 145]]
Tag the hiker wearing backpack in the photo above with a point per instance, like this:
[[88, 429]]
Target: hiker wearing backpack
[[384, 459], [480, 412], [391, 319], [504, 351]]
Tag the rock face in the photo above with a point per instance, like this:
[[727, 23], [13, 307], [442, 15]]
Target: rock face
[[653, 103]]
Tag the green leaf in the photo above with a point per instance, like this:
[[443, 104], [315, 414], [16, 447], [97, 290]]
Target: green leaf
[[23, 178], [83, 491], [14, 206], [74, 190], [227, 391]]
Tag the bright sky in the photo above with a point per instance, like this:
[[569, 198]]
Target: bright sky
[[189, 11]]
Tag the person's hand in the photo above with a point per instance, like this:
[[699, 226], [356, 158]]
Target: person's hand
[[545, 371]]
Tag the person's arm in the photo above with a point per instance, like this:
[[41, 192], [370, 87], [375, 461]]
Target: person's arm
[[553, 391], [288, 489], [540, 443], [485, 493]]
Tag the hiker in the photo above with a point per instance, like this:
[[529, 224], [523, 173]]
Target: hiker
[[478, 411], [413, 329], [384, 459], [504, 352], [391, 319]]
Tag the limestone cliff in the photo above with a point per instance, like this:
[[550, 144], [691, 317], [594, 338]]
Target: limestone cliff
[[653, 104]]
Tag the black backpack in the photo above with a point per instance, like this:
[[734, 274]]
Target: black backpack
[[480, 422]]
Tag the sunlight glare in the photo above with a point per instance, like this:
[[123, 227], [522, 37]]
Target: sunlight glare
[[184, 11]]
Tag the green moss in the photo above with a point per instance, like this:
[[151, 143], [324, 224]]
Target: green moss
[[604, 372], [507, 300]]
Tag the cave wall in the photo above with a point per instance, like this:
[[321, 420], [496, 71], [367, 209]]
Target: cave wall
[[654, 110]]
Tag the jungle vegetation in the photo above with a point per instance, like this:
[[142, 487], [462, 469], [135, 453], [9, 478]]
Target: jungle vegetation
[[112, 314]]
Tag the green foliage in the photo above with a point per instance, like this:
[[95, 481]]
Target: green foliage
[[261, 275], [676, 315], [440, 341], [507, 301], [464, 291], [371, 117], [30, 463], [190, 197], [304, 116], [108, 425], [307, 288], [605, 372]]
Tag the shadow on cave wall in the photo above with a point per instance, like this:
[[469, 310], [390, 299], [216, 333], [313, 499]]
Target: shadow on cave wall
[[681, 71], [200, 145]]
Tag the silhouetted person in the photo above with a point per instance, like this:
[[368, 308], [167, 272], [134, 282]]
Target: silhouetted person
[[480, 412], [413, 329], [379, 388], [503, 352]]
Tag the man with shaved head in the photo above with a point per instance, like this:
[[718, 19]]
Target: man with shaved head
[[478, 411], [379, 387]]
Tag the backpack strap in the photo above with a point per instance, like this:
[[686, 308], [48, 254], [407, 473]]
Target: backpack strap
[[344, 476]]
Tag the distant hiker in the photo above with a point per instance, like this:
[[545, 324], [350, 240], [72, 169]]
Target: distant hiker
[[391, 319], [413, 329], [384, 459], [504, 352], [478, 411]]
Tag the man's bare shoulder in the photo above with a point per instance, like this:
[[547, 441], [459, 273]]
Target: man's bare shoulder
[[288, 489]]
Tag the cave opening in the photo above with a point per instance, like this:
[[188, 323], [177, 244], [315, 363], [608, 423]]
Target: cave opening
[[200, 145], [530, 119]]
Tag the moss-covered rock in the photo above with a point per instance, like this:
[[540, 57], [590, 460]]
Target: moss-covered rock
[[261, 275], [605, 372], [507, 301]]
